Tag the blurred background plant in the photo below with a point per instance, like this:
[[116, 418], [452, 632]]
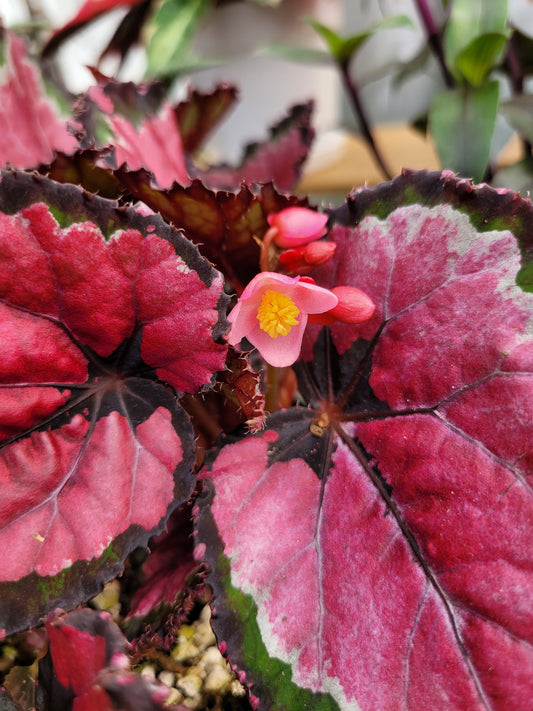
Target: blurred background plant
[[458, 71]]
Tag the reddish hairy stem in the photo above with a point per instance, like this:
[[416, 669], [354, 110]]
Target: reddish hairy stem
[[517, 79], [434, 40], [353, 95]]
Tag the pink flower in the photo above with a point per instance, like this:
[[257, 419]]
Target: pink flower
[[272, 314], [297, 226]]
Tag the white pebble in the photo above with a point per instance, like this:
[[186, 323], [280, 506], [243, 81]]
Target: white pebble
[[148, 672], [217, 680], [167, 678], [189, 685]]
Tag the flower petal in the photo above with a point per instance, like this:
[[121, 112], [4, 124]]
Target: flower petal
[[283, 350]]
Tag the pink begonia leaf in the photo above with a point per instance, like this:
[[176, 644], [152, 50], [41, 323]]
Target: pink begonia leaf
[[95, 452], [278, 159], [196, 117], [146, 132], [371, 549], [31, 127], [88, 666]]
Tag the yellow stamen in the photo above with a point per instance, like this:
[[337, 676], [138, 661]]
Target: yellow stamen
[[277, 313]]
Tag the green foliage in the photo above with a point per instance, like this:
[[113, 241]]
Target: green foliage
[[175, 24], [342, 49], [462, 120], [462, 123], [469, 20], [478, 58]]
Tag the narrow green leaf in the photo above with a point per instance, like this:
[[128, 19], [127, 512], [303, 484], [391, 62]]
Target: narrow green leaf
[[462, 124], [468, 20], [395, 22], [343, 48], [174, 25], [479, 57], [331, 38]]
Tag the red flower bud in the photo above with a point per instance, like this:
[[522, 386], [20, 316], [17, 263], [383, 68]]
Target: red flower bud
[[354, 305], [303, 259]]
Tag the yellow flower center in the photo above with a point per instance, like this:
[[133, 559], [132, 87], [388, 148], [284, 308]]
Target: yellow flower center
[[277, 313]]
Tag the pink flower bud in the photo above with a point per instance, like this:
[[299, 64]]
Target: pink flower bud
[[318, 253], [354, 305], [303, 259], [297, 226]]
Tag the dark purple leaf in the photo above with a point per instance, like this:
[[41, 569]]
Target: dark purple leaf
[[223, 224], [371, 550], [199, 114], [81, 168], [128, 33], [168, 567], [94, 450]]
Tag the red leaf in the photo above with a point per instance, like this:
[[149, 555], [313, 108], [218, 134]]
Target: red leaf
[[31, 129], [99, 452], [87, 654], [59, 511], [78, 656]]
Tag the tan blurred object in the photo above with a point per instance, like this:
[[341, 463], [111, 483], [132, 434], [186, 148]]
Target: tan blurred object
[[341, 161]]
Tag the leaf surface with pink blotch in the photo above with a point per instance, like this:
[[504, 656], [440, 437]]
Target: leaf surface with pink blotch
[[371, 550]]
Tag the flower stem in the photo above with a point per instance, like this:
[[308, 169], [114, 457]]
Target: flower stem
[[264, 258], [353, 95], [271, 388]]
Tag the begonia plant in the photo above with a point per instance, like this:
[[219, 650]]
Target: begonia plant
[[315, 421]]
